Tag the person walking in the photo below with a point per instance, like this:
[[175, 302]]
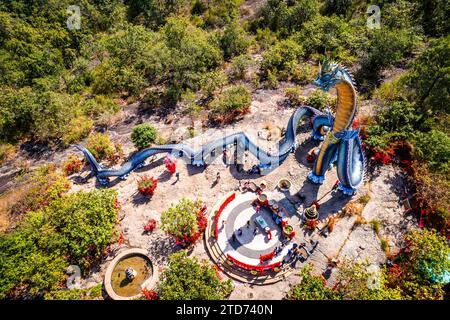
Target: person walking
[[248, 224], [239, 232]]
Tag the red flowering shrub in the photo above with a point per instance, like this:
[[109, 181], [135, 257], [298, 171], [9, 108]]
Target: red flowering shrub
[[121, 238], [72, 164], [384, 157], [171, 164], [150, 226], [150, 294], [147, 185], [186, 221], [117, 204]]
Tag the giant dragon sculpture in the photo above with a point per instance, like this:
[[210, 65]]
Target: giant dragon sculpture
[[341, 145]]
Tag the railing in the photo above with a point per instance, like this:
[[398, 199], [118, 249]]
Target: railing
[[269, 267], [219, 212]]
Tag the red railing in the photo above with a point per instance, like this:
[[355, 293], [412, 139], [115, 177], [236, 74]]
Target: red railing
[[252, 267], [266, 257], [223, 205]]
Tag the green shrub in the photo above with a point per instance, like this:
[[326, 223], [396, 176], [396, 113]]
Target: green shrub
[[384, 245], [231, 103], [320, 100], [100, 146], [311, 288], [364, 199], [265, 38], [7, 152], [400, 121], [191, 55], [42, 116], [304, 74], [99, 105], [143, 135], [73, 229], [128, 59], [281, 58], [433, 16], [271, 80], [429, 78], [330, 35], [219, 13], [353, 280], [181, 219], [211, 81], [239, 67], [385, 49], [434, 148], [376, 225], [427, 255], [75, 294], [85, 222], [234, 41], [77, 129], [16, 108], [53, 114], [295, 96], [188, 279], [339, 7], [390, 91], [153, 13], [285, 17]]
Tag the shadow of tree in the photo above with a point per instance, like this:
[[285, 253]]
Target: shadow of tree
[[164, 176], [309, 190], [139, 199], [334, 204], [161, 247]]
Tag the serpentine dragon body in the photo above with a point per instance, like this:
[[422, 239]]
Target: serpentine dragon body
[[340, 146]]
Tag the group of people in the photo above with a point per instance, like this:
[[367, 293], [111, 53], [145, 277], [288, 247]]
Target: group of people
[[293, 254]]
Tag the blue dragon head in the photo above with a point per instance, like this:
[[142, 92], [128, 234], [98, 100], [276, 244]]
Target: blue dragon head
[[329, 74]]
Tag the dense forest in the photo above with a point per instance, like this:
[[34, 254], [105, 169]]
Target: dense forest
[[60, 85]]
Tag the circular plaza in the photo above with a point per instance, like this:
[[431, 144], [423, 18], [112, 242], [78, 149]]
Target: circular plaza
[[252, 237]]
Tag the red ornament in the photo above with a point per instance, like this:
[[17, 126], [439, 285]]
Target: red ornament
[[171, 164], [147, 185], [311, 157], [311, 224], [121, 238], [150, 226], [150, 294]]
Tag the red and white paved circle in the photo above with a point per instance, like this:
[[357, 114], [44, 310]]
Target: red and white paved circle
[[247, 247]]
